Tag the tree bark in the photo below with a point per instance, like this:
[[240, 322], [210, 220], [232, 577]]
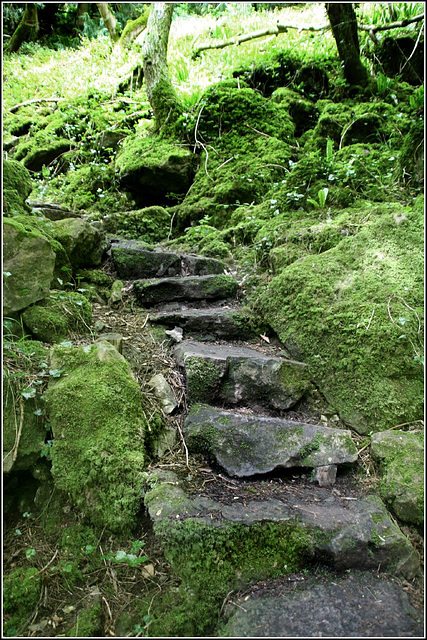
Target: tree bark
[[82, 9], [109, 20], [160, 91], [344, 28], [27, 29]]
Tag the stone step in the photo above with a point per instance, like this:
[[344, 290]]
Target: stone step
[[358, 604], [277, 535], [239, 376], [245, 445], [228, 323], [133, 260], [160, 290]]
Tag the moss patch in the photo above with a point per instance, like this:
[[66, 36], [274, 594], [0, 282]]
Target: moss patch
[[21, 591], [98, 426], [321, 308], [151, 224], [58, 317]]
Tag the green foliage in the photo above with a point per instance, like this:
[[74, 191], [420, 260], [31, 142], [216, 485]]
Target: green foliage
[[21, 591]]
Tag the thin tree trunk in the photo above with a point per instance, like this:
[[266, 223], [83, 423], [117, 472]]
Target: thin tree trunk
[[82, 9], [109, 20], [27, 29], [344, 28], [160, 91]]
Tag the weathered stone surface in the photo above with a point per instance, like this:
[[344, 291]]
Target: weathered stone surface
[[357, 605], [151, 170], [133, 260], [212, 287], [52, 211], [401, 455], [83, 243], [35, 159], [240, 376], [29, 259], [163, 392], [325, 476], [343, 533], [222, 322], [116, 294], [113, 338], [245, 445]]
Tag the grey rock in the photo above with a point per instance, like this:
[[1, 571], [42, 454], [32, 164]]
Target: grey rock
[[230, 323], [83, 243], [211, 287], [52, 211], [163, 392], [241, 376], [344, 534], [134, 260], [326, 476], [116, 294], [113, 338], [358, 605], [176, 334], [245, 445]]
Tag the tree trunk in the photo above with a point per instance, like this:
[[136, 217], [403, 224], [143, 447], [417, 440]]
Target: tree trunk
[[82, 9], [27, 29], [109, 20], [344, 28], [160, 91]]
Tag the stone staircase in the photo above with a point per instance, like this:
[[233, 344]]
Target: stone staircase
[[268, 502]]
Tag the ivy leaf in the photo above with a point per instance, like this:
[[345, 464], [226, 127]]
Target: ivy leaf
[[28, 393], [55, 373]]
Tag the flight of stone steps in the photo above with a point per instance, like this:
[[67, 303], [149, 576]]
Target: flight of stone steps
[[239, 397]]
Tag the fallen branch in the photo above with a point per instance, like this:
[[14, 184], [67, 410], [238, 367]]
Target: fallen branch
[[24, 104], [282, 28]]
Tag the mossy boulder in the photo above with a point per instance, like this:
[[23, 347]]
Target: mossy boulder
[[354, 314], [82, 241], [95, 410], [151, 224], [24, 427], [302, 111], [17, 186], [152, 168], [401, 457], [59, 316], [21, 592], [28, 264], [411, 159]]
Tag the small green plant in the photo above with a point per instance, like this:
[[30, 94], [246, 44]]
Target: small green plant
[[322, 195], [416, 100], [329, 150], [131, 558]]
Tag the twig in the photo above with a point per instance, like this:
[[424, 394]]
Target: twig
[[257, 131], [405, 424], [185, 446], [46, 566], [370, 319], [226, 162], [27, 102], [413, 50], [198, 142], [392, 25]]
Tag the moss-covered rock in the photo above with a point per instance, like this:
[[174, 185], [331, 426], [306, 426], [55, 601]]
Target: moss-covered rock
[[83, 242], [151, 224], [95, 411], [59, 316], [354, 314], [401, 455], [24, 428], [17, 186], [152, 168], [411, 159], [302, 111], [28, 264], [21, 592]]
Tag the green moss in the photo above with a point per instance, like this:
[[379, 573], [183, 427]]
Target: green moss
[[80, 553], [411, 160], [212, 561], [17, 186], [88, 623], [21, 591], [149, 152], [95, 276], [58, 317], [97, 421], [151, 224], [321, 308], [203, 378], [131, 25]]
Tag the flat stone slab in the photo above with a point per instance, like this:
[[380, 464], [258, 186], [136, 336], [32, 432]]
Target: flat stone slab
[[238, 376], [133, 260], [245, 445], [229, 323], [211, 287], [346, 534], [359, 605]]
